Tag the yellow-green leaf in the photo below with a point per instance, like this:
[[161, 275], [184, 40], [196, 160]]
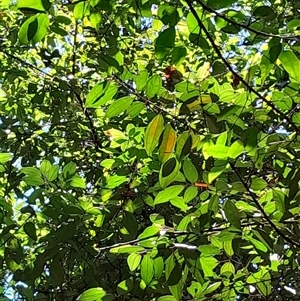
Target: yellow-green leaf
[[153, 132], [168, 143]]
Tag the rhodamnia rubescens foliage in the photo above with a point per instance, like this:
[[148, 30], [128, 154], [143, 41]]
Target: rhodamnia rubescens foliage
[[149, 150]]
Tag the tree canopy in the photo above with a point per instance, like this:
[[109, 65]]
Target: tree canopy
[[149, 150]]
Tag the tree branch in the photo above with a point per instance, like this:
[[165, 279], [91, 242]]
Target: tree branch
[[261, 209], [258, 32], [230, 68]]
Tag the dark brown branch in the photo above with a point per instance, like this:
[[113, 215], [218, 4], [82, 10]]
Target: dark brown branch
[[230, 68], [74, 49], [247, 27], [261, 209], [283, 116]]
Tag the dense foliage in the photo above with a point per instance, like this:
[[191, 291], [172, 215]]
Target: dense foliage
[[149, 150]]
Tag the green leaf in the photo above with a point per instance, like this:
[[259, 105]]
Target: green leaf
[[73, 210], [5, 157], [215, 151], [34, 29], [235, 149], [30, 230], [81, 10], [258, 244], [183, 145], [274, 52], [96, 19], [49, 171], [69, 170], [227, 269], [232, 214], [190, 171], [141, 79], [35, 5], [115, 181], [179, 203], [264, 12], [291, 64], [78, 182], [147, 269], [192, 24], [153, 132], [33, 176], [168, 172], [168, 194], [150, 231], [167, 298], [133, 261], [178, 55], [135, 108], [174, 275], [118, 106], [258, 184], [153, 85], [217, 170], [164, 42], [101, 94], [158, 267], [212, 287], [95, 294], [190, 193], [279, 197], [208, 264]]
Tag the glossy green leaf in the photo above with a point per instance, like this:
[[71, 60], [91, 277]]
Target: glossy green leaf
[[227, 269], [96, 19], [208, 264], [216, 151], [218, 168], [135, 108], [291, 64], [78, 182], [95, 294], [141, 80], [5, 157], [168, 172], [168, 194], [153, 85], [133, 261], [235, 149], [178, 202], [69, 170], [35, 5], [190, 171], [258, 184], [190, 193], [147, 269], [34, 29], [33, 176], [81, 10], [183, 145], [118, 106], [232, 214], [101, 94]]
